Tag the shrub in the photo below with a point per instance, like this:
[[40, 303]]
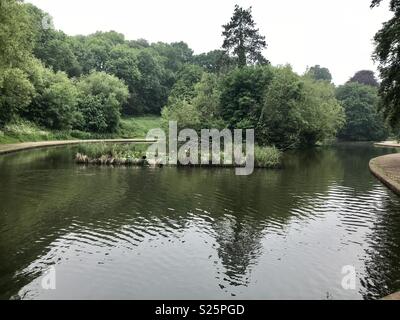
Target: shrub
[[54, 105], [184, 113], [101, 99], [242, 94], [16, 92], [298, 111], [364, 121]]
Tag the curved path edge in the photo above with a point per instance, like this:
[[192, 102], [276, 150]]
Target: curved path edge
[[8, 148], [393, 144], [387, 170]]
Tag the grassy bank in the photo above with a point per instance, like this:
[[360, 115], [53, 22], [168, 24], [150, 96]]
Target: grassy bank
[[25, 131], [134, 154]]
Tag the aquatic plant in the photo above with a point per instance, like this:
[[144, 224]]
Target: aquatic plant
[[135, 154]]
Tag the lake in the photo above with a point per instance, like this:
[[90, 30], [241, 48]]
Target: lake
[[198, 233]]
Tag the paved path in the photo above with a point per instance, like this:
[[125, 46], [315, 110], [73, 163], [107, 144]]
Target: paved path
[[7, 148], [387, 170], [394, 296], [395, 144]]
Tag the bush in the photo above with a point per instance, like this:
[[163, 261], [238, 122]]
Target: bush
[[242, 94], [364, 121], [16, 92], [184, 113], [101, 99], [54, 105], [298, 111], [184, 87], [207, 101], [281, 121], [92, 118], [103, 84], [197, 110], [322, 113]]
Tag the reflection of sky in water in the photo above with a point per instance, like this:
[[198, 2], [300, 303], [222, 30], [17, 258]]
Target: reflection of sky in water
[[190, 233]]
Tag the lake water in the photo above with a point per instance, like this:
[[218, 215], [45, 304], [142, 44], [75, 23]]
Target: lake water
[[195, 233]]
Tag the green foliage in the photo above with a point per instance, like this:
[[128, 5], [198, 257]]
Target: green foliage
[[183, 89], [184, 113], [123, 64], [16, 92], [57, 53], [176, 54], [101, 99], [242, 94], [366, 77], [151, 90], [15, 34], [94, 51], [322, 113], [108, 74], [94, 118], [194, 104], [52, 47], [20, 130], [267, 157], [103, 84], [318, 73], [387, 53], [116, 150], [55, 101], [285, 109], [16, 44], [364, 121], [138, 127], [282, 121], [298, 111], [215, 61], [207, 100], [141, 66], [242, 39]]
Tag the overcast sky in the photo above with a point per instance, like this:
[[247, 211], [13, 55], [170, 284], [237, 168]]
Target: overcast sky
[[336, 34]]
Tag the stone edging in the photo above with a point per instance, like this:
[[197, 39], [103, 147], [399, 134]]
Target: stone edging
[[376, 166]]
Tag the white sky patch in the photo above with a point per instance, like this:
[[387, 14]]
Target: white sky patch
[[336, 34]]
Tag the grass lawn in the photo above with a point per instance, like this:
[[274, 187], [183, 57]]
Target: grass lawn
[[137, 127], [25, 131]]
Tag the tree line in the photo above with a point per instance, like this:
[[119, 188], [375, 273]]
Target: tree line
[[86, 83]]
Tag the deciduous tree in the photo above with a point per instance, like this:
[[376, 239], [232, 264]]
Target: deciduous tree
[[387, 53], [366, 77]]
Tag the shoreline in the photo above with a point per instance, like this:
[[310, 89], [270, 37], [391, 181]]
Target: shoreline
[[14, 147], [392, 143], [387, 170]]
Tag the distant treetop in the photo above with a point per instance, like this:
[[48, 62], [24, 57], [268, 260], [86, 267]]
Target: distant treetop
[[366, 77], [242, 38], [319, 73]]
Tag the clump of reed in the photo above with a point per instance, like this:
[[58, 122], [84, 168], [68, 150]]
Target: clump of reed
[[111, 154], [267, 157], [135, 155]]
